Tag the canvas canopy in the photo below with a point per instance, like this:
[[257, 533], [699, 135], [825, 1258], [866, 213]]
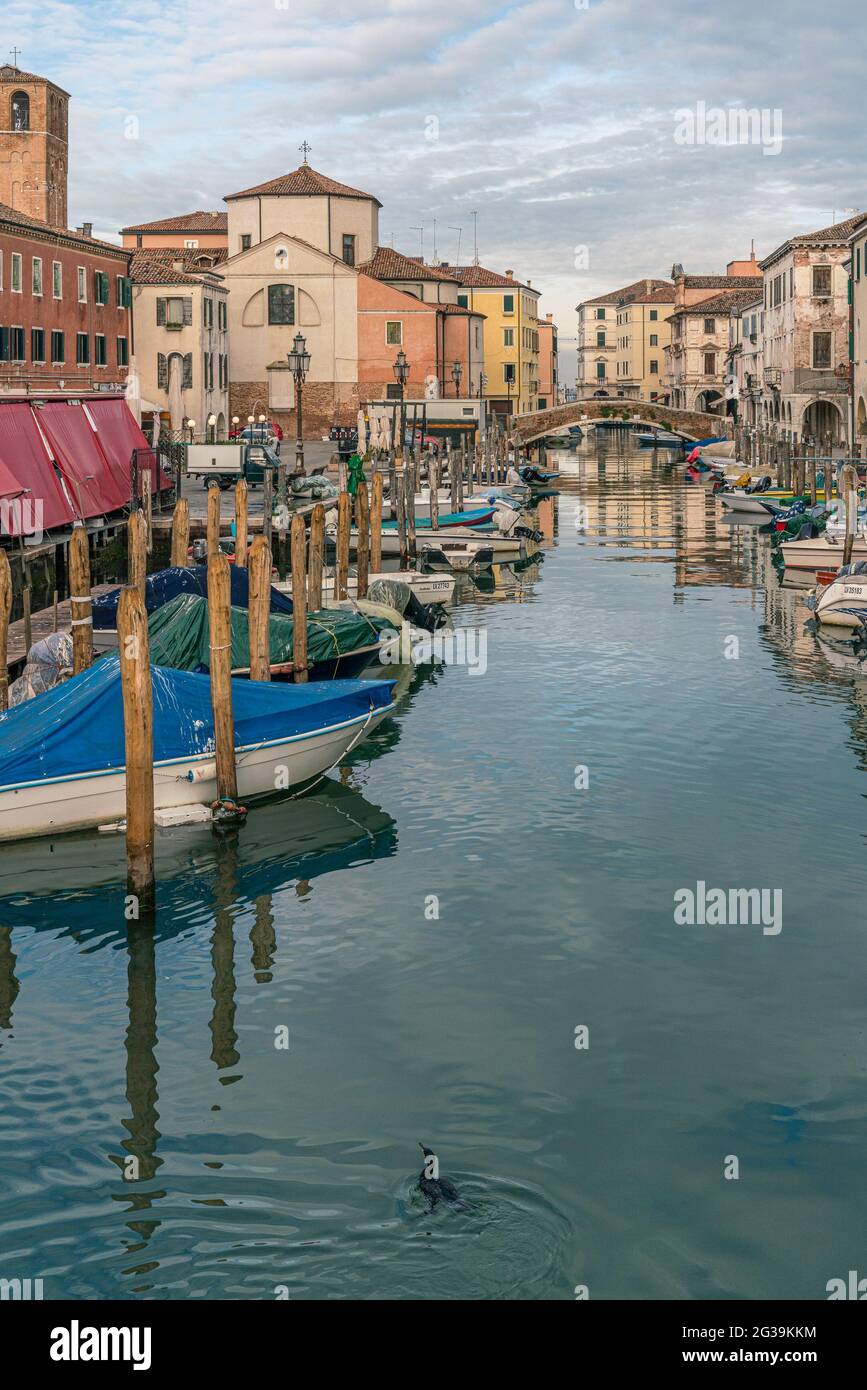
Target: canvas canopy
[[180, 636], [78, 727]]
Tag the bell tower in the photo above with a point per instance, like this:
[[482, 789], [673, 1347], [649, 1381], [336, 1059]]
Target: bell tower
[[34, 144]]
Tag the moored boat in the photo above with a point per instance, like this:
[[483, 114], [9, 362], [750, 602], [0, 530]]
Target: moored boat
[[843, 602], [62, 755]]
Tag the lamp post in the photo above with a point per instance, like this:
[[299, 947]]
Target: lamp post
[[457, 373], [299, 364], [401, 376], [191, 425], [212, 422]]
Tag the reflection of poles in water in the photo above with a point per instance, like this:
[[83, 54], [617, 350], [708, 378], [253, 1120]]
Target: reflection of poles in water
[[141, 1161], [223, 1051], [9, 985], [264, 940]]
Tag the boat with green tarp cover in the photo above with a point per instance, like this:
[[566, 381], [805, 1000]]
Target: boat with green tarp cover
[[339, 644]]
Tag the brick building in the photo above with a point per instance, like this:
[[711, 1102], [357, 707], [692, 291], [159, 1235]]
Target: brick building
[[64, 309], [34, 145]]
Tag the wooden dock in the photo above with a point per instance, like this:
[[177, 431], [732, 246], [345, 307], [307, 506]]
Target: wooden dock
[[42, 623]]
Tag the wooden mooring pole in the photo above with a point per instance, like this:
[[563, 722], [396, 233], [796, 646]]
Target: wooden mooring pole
[[241, 523], [80, 599], [434, 479], [344, 523], [137, 692], [259, 610], [376, 523], [5, 610], [213, 521], [268, 504], [362, 523], [299, 600], [316, 559], [180, 533], [136, 540], [220, 627]]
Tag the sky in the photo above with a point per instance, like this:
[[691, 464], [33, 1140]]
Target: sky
[[584, 133]]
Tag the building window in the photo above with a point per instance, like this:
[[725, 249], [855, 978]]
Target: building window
[[100, 287], [281, 304], [654, 315], [710, 326], [82, 285], [600, 339], [208, 305], [37, 345], [349, 249], [509, 373], [100, 351], [600, 313], [246, 241], [508, 337], [394, 333], [821, 282], [57, 279], [508, 304], [464, 301], [191, 245], [710, 364], [654, 340], [82, 350], [654, 366], [58, 351], [17, 341], [17, 272], [821, 348], [600, 371], [20, 111], [36, 275]]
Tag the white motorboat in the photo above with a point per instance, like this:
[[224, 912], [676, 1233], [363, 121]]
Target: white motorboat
[[428, 588], [62, 754], [753, 503], [823, 552], [843, 602]]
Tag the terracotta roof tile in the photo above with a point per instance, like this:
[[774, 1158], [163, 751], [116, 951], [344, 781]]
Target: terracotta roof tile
[[302, 182], [149, 270], [721, 303], [8, 73], [188, 222], [835, 235], [388, 264], [20, 219]]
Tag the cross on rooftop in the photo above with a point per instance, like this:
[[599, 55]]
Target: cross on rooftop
[[15, 56], [305, 149]]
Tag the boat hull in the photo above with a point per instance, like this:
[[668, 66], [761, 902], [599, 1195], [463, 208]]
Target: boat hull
[[85, 801], [843, 603], [820, 553]]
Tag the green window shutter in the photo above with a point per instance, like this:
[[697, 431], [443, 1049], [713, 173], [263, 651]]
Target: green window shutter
[[162, 371], [4, 345], [188, 310], [161, 313], [188, 371]]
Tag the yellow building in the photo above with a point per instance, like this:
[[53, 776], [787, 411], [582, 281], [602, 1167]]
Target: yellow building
[[643, 334], [511, 312]]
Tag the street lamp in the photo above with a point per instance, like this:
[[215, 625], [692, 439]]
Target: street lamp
[[401, 376], [212, 422], [299, 365], [191, 425], [457, 373]]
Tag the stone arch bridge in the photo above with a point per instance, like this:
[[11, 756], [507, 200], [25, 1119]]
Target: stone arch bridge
[[695, 424]]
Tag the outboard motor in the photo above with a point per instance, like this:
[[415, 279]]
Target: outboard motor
[[528, 534], [761, 484]]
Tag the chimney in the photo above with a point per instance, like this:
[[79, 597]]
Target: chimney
[[87, 228], [510, 274], [550, 318]]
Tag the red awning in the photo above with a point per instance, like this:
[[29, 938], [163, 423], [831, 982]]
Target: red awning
[[76, 447], [24, 458], [119, 435]]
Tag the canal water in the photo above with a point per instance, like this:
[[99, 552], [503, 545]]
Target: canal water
[[231, 1107]]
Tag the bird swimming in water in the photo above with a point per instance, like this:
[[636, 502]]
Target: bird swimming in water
[[437, 1189]]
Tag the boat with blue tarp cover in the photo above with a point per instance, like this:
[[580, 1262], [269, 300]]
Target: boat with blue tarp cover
[[62, 754], [168, 584]]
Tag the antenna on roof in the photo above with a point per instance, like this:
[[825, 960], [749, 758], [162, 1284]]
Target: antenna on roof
[[435, 260], [459, 231], [305, 149], [420, 231], [475, 217]]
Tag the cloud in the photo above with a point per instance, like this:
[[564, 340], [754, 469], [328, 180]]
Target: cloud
[[556, 124]]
